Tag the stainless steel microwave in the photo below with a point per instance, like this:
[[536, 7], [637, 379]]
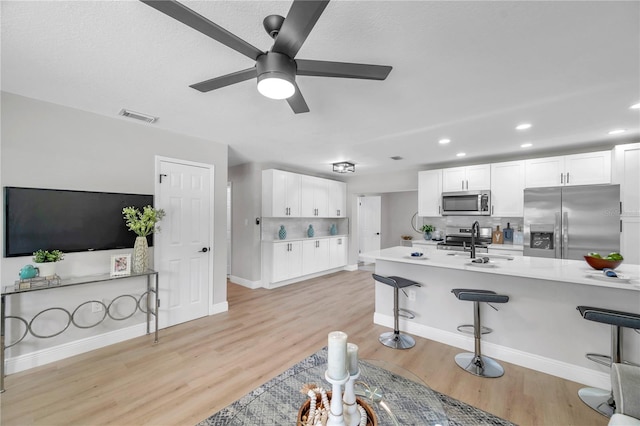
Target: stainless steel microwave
[[466, 203]]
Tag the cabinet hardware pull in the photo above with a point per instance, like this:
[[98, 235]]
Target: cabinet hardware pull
[[567, 177], [492, 206], [561, 177]]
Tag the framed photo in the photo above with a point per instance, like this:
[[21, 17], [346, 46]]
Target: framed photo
[[120, 265]]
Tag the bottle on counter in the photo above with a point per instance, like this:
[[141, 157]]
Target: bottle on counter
[[497, 237], [518, 236], [508, 234]]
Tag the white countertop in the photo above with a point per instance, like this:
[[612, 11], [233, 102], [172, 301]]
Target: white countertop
[[563, 270], [317, 237]]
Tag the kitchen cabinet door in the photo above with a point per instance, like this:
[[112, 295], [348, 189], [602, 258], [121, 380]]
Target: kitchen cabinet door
[[468, 178], [627, 175], [314, 197], [315, 256], [543, 172], [453, 179], [280, 193], [507, 189], [478, 177], [588, 169], [337, 199], [337, 252], [287, 261], [429, 193]]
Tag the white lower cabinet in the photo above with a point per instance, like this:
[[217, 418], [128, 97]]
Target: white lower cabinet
[[629, 247], [315, 256], [337, 252], [287, 260]]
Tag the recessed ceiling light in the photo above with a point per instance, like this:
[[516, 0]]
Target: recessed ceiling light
[[617, 131], [460, 154], [636, 106], [526, 145], [444, 141], [523, 126]]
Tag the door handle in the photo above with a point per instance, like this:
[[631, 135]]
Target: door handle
[[204, 250]]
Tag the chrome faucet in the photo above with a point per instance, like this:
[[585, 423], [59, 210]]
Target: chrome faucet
[[475, 232]]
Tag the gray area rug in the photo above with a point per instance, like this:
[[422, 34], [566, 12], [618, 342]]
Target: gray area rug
[[276, 402]]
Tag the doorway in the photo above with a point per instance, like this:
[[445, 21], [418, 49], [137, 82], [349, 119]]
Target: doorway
[[183, 255], [369, 219]]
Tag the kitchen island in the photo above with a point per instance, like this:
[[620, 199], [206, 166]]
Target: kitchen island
[[539, 328]]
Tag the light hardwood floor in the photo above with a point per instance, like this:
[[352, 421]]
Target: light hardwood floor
[[202, 366]]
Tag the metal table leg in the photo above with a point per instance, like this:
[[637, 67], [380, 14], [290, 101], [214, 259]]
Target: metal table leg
[[2, 318]]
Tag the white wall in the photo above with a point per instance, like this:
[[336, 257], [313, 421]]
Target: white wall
[[50, 146]]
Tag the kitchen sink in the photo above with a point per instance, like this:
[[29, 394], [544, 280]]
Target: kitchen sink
[[496, 257]]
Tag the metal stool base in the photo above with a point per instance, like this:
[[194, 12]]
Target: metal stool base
[[598, 399], [397, 341], [483, 367]]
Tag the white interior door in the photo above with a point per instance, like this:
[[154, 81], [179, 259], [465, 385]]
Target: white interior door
[[369, 223], [184, 256]]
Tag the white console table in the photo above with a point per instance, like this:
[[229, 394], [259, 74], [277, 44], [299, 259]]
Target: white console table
[[151, 296]]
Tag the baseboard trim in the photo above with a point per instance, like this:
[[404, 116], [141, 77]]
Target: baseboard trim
[[77, 347], [351, 268], [245, 283], [303, 278], [535, 362], [218, 308]]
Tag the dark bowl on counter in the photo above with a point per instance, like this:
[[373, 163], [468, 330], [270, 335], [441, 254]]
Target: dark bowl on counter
[[599, 263]]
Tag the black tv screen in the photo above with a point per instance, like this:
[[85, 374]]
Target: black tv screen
[[70, 221]]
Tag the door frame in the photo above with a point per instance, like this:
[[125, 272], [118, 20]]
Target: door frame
[[156, 196]]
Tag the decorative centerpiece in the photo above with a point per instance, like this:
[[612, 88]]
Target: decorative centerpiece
[[142, 223], [427, 229], [335, 408], [46, 261]]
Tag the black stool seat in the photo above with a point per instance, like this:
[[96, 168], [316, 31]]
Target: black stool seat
[[473, 295], [394, 339], [394, 281], [476, 363], [609, 316], [602, 400]]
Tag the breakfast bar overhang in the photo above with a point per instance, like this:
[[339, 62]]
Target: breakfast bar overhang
[[540, 328]]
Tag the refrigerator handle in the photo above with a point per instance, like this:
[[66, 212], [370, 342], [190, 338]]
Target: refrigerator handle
[[556, 236], [565, 235]]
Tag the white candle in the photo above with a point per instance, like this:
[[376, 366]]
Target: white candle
[[352, 358], [337, 360]]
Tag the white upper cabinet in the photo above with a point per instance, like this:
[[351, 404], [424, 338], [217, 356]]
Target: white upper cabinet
[[627, 174], [280, 193], [507, 189], [429, 192], [315, 197], [579, 169], [337, 199], [469, 178], [286, 194]]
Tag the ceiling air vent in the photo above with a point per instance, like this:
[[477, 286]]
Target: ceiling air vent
[[138, 116], [396, 158]]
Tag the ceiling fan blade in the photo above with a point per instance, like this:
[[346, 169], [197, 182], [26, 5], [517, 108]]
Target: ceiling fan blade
[[342, 69], [225, 80], [200, 23], [299, 22], [297, 102]]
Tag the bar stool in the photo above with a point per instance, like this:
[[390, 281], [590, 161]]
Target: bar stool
[[394, 339], [476, 363], [599, 399]]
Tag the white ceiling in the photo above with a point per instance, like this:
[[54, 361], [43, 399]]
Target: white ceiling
[[468, 71]]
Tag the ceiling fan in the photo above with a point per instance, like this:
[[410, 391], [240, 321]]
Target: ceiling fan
[[276, 69]]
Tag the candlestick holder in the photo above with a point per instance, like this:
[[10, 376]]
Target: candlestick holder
[[336, 417], [351, 413]]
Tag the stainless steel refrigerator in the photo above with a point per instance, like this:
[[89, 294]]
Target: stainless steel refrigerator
[[569, 222]]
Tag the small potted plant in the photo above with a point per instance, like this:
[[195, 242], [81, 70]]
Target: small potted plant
[[427, 229], [46, 261]]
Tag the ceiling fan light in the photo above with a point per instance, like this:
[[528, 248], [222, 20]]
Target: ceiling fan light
[[275, 86]]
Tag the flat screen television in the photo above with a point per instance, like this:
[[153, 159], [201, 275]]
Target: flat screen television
[[70, 221]]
